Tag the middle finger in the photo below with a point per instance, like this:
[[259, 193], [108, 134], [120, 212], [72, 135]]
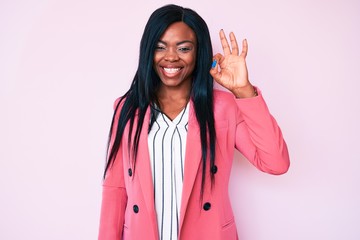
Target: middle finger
[[224, 43]]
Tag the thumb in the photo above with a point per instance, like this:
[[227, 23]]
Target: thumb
[[214, 71]]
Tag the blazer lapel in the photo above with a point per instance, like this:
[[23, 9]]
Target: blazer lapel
[[143, 173], [192, 161]]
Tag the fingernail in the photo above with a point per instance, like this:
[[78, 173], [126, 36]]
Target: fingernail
[[213, 63]]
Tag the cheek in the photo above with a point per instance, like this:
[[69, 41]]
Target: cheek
[[193, 58], [156, 59], [157, 71], [155, 63], [192, 62]]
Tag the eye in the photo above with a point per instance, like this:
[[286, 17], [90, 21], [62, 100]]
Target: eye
[[159, 48], [185, 49]]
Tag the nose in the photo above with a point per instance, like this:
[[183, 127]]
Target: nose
[[171, 55]]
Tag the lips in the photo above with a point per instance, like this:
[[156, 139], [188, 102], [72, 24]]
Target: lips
[[171, 71]]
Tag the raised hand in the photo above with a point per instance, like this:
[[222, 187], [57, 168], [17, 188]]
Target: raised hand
[[230, 70]]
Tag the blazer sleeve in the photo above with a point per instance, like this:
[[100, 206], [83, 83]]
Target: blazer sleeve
[[114, 198], [258, 136]]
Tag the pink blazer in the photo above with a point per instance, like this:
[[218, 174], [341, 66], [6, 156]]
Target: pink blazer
[[128, 208]]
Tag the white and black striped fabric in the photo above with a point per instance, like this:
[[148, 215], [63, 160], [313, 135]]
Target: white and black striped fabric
[[167, 142]]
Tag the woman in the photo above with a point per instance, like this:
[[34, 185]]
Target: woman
[[172, 137]]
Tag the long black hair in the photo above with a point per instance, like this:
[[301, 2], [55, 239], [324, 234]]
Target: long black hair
[[143, 90]]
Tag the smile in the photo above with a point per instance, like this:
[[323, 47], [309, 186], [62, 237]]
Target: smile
[[171, 70]]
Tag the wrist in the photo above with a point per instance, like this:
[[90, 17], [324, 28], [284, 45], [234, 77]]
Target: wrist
[[247, 91]]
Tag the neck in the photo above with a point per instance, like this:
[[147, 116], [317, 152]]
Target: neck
[[174, 94], [172, 101]]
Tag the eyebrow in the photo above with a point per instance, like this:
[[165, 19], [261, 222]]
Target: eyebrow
[[179, 43]]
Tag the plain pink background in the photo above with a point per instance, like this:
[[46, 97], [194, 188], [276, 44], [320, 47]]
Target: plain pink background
[[63, 62]]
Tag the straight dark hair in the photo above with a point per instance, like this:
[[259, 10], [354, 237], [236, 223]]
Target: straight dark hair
[[143, 90]]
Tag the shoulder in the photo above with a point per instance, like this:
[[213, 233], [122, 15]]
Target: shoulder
[[223, 98], [119, 102], [224, 102], [221, 95], [117, 106]]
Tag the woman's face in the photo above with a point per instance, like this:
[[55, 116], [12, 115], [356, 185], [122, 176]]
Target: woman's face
[[175, 56]]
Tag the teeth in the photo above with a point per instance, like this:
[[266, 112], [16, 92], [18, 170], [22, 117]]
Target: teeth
[[171, 70]]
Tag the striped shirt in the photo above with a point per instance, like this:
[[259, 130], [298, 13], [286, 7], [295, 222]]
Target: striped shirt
[[167, 141]]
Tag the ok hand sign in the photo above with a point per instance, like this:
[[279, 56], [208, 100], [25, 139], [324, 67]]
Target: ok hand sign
[[230, 70]]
